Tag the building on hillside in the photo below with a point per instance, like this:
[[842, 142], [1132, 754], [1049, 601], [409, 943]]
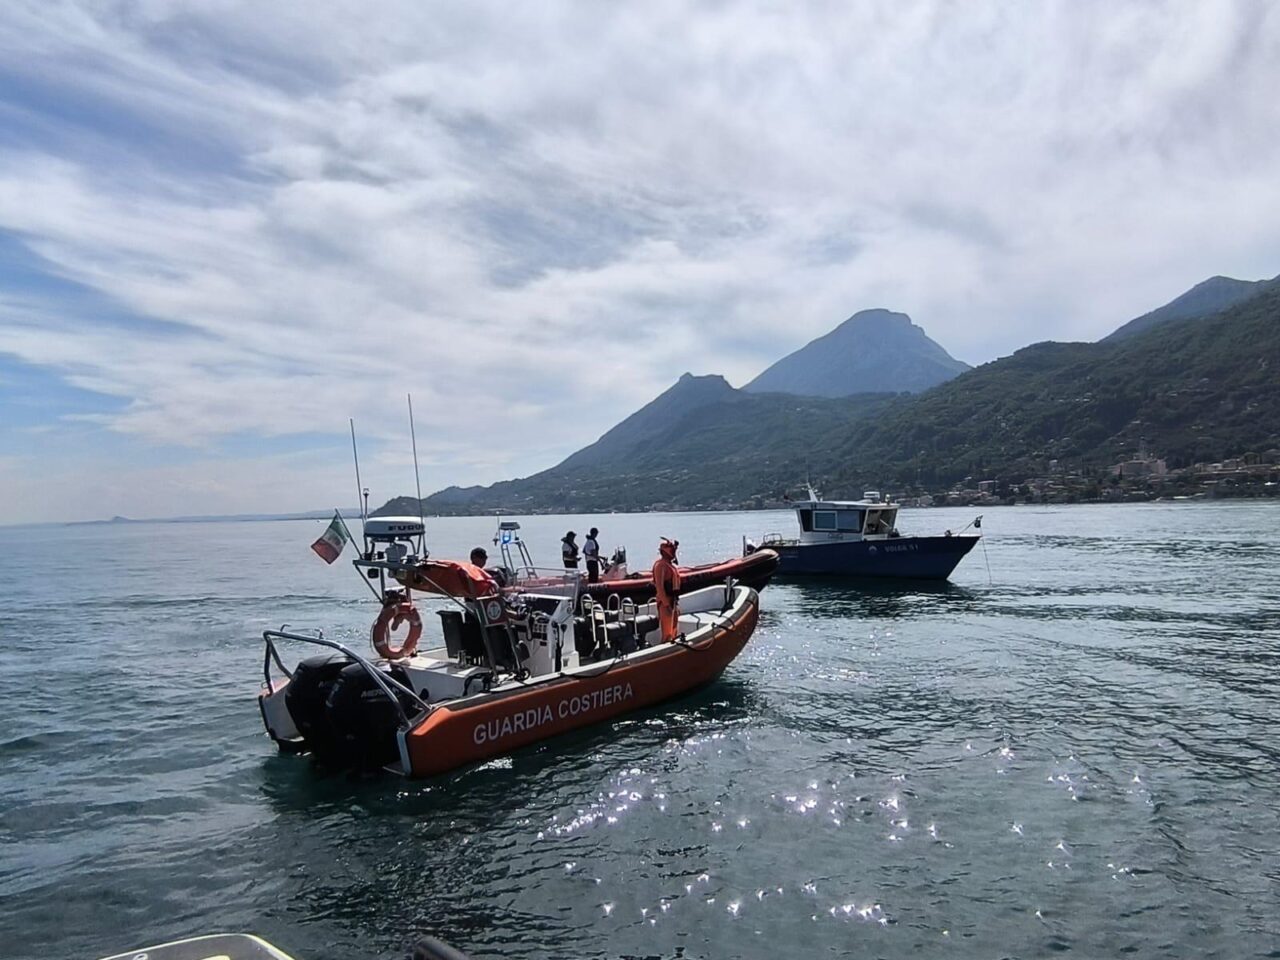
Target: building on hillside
[[1140, 468]]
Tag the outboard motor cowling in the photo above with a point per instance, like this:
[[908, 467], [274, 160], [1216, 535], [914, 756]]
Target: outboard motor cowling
[[364, 721], [306, 697]]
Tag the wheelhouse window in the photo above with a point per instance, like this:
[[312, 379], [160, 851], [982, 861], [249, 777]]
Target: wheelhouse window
[[824, 520], [881, 521], [850, 521], [806, 520]]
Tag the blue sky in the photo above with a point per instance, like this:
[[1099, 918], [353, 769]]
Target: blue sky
[[227, 227]]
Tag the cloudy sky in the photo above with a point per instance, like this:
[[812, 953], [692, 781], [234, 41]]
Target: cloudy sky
[[226, 227]]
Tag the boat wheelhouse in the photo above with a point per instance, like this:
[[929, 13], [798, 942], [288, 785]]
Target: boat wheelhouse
[[825, 521]]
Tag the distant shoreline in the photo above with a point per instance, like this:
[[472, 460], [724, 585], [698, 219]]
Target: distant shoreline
[[355, 515]]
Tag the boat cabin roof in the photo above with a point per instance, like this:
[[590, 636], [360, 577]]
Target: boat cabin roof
[[823, 519], [844, 505]]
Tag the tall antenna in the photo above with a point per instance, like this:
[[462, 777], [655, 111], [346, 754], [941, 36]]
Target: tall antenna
[[417, 479], [363, 503]]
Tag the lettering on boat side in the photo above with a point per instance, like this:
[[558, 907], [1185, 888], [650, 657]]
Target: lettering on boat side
[[534, 717]]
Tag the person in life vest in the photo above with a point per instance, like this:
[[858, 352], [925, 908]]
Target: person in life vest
[[480, 558], [569, 551], [666, 581], [591, 553]]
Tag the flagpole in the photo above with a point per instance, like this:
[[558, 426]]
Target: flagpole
[[343, 520]]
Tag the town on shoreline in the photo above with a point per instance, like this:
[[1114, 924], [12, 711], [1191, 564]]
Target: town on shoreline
[[1143, 479]]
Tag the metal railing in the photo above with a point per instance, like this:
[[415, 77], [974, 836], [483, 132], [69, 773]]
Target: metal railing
[[386, 683]]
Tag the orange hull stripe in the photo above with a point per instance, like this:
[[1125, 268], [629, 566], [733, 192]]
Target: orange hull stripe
[[452, 737]]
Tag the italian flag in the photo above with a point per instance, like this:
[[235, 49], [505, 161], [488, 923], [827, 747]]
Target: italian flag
[[332, 540]]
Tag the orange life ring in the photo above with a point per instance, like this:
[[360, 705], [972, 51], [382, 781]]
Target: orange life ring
[[391, 617]]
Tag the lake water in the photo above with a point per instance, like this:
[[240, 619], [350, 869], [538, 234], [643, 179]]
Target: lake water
[[1079, 754]]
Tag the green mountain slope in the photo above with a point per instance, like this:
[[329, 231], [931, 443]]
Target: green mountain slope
[[699, 443], [1204, 299], [1196, 389], [653, 421]]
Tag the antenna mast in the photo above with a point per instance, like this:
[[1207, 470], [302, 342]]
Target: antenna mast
[[362, 503], [417, 479]]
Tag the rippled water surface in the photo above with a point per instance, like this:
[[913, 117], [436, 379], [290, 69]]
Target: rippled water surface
[[1081, 755]]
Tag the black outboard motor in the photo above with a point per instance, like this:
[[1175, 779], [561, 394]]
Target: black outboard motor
[[364, 720], [306, 698], [345, 717]]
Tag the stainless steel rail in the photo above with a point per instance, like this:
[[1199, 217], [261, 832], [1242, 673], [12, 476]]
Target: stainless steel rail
[[386, 683]]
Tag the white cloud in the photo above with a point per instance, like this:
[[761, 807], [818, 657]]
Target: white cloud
[[535, 217]]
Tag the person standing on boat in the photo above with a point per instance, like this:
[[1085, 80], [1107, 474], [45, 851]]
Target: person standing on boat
[[569, 551], [666, 582], [591, 553]]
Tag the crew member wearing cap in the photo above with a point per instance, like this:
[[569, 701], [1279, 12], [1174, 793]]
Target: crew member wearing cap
[[569, 551], [666, 582]]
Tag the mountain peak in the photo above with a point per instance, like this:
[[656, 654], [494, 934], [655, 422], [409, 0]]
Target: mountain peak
[[706, 381], [686, 394], [877, 316], [873, 351], [1203, 300]]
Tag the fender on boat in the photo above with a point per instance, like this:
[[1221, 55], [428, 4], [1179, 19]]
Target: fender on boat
[[754, 570]]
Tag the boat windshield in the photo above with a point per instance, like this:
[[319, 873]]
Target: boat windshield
[[833, 520], [880, 521]]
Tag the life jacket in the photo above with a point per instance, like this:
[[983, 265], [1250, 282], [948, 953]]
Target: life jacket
[[666, 581], [591, 548], [569, 551]]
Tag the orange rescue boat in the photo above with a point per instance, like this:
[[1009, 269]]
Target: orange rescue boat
[[515, 668]]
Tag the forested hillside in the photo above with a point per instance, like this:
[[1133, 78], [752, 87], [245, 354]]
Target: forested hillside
[[1197, 388]]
